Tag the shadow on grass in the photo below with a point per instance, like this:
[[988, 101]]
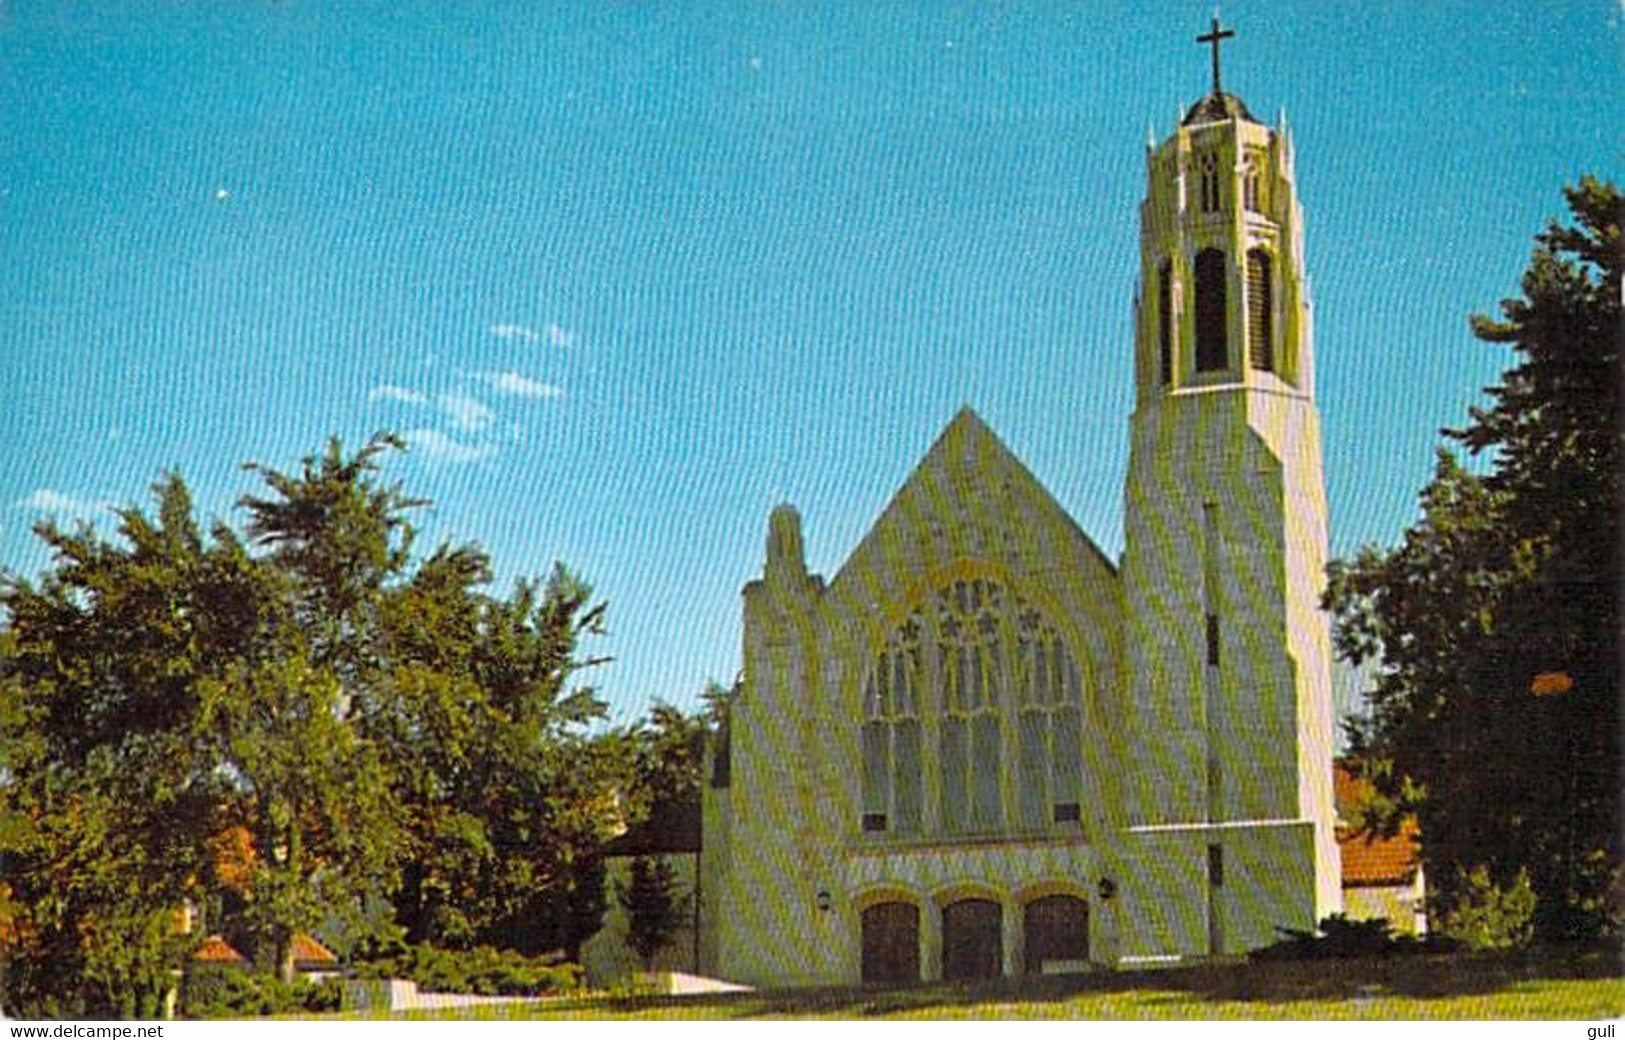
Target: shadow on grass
[[1416, 977]]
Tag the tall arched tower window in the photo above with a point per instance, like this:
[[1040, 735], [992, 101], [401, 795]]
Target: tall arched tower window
[[1209, 164], [1260, 312], [1210, 311], [1252, 182], [1165, 323]]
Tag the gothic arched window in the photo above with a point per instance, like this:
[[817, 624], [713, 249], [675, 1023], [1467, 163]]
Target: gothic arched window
[[1165, 323], [1210, 311], [892, 735], [1049, 722], [974, 664], [1210, 182], [971, 657], [1260, 311], [1252, 183]]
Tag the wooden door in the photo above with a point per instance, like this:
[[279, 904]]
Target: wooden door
[[891, 943], [1056, 929], [972, 940]]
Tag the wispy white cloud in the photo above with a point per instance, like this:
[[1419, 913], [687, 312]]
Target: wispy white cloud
[[517, 384], [522, 333], [553, 333], [559, 336], [438, 447], [50, 500], [53, 501], [388, 392], [466, 413]]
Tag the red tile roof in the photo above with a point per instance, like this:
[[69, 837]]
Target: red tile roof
[[216, 950], [1371, 860], [1379, 861], [308, 951]]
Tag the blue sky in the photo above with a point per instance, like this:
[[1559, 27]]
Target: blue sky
[[629, 275]]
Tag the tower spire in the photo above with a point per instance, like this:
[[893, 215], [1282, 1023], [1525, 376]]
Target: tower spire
[[1213, 37]]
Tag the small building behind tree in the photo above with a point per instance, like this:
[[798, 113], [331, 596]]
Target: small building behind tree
[[1382, 875]]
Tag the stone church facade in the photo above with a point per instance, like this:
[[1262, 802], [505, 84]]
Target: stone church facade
[[983, 748]]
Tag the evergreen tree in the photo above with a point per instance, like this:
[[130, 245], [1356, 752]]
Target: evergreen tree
[[1495, 715], [652, 909]]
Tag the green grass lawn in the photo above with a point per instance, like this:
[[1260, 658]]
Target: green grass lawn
[[1538, 985]]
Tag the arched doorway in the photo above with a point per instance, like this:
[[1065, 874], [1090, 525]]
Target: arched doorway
[[1057, 934], [891, 943], [972, 940]]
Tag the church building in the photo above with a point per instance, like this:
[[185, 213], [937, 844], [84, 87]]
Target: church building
[[984, 748]]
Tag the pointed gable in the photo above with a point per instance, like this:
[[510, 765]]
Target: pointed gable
[[970, 508], [971, 497]]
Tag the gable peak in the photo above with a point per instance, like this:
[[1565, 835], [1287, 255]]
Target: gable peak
[[967, 420]]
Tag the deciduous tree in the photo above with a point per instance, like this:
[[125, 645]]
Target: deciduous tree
[[371, 727]]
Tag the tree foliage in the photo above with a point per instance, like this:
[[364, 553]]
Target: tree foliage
[[299, 717], [652, 908], [1495, 715], [668, 760], [1487, 915], [510, 795]]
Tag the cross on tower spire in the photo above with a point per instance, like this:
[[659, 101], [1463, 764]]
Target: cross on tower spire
[[1213, 36]]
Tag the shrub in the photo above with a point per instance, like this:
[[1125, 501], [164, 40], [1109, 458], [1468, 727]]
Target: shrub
[[1339, 936], [482, 970], [222, 991], [1483, 915]]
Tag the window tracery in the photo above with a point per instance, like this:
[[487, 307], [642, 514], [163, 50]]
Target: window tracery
[[1049, 720], [971, 670], [892, 735], [1209, 166], [969, 646], [1252, 180]]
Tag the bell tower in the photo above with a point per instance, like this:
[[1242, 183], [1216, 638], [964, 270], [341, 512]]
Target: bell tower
[[1228, 687], [1223, 300]]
